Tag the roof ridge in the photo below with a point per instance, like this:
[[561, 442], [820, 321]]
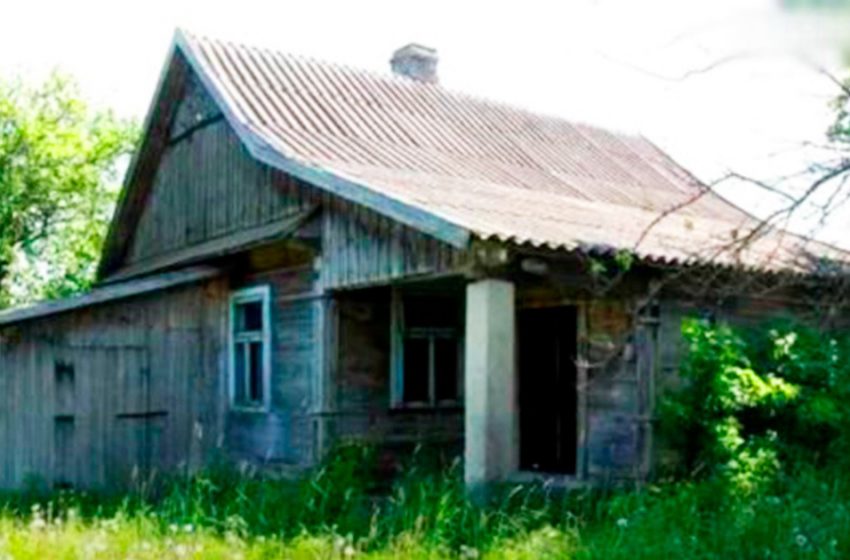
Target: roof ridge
[[410, 82]]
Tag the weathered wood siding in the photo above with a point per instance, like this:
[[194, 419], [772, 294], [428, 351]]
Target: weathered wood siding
[[286, 435], [207, 186], [97, 397], [632, 361], [101, 396], [613, 416], [614, 421], [360, 404], [739, 311], [361, 248]]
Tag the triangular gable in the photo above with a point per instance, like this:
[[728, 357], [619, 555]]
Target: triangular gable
[[142, 168], [163, 124]]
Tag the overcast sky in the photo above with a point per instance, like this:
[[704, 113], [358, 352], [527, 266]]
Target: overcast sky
[[719, 84]]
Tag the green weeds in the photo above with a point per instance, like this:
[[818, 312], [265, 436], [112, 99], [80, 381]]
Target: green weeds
[[427, 515]]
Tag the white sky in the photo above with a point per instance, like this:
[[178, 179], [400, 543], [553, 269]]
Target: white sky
[[615, 63]]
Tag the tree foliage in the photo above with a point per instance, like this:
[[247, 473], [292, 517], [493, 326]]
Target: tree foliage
[[760, 399], [59, 165], [839, 132]]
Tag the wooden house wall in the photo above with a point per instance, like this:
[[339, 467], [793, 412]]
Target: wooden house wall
[[360, 406], [362, 248], [615, 352], [100, 396], [207, 186], [285, 436], [740, 311], [614, 418], [634, 362], [148, 390]]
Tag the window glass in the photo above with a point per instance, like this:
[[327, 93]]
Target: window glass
[[416, 370], [249, 348], [239, 372], [431, 327], [445, 368], [249, 316], [255, 381]]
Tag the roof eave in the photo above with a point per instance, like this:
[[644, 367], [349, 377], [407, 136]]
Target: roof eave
[[105, 294]]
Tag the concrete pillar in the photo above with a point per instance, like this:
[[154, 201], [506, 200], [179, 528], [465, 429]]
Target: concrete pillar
[[491, 415]]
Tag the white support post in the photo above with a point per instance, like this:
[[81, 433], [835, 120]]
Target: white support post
[[491, 408]]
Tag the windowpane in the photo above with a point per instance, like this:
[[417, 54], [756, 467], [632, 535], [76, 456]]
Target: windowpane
[[255, 385], [445, 368], [239, 374], [416, 365], [249, 340], [249, 316]]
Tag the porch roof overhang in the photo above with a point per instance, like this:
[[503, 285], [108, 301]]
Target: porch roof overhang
[[217, 248], [110, 293]]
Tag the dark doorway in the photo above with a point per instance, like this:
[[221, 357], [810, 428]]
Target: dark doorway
[[547, 390]]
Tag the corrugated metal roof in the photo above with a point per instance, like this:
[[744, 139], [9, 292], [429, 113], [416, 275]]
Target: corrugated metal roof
[[496, 171]]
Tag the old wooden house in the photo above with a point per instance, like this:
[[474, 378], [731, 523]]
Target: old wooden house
[[305, 254]]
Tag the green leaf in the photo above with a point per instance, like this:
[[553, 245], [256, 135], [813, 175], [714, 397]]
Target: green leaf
[[59, 161]]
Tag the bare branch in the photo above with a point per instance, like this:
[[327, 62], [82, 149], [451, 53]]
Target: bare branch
[[689, 73], [799, 201], [834, 79], [761, 184]]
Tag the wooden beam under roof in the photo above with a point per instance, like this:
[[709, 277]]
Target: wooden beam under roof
[[216, 248]]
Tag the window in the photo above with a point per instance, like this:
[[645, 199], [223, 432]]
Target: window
[[427, 351], [250, 349]]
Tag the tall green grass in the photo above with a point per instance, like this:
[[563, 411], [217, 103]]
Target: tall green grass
[[339, 511]]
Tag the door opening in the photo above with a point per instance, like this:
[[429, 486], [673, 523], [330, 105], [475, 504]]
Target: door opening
[[548, 396]]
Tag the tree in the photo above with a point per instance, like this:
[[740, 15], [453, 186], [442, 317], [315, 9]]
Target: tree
[[59, 167]]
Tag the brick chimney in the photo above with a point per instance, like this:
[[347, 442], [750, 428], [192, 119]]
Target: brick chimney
[[417, 62]]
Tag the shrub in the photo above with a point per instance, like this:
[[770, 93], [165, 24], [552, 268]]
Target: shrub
[[759, 400]]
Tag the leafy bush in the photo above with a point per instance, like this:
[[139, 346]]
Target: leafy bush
[[758, 400]]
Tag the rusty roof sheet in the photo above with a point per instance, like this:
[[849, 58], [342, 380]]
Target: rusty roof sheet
[[493, 170]]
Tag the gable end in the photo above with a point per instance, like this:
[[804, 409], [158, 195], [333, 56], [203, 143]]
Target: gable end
[[187, 105]]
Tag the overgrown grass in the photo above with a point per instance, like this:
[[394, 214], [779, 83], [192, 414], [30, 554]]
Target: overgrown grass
[[337, 513]]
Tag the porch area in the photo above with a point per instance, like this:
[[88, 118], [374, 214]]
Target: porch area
[[522, 382]]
